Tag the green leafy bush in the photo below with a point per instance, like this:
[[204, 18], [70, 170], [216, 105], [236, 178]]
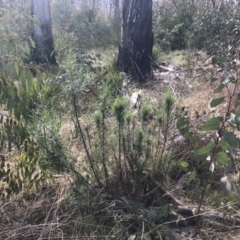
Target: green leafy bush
[[170, 26], [218, 153], [23, 88], [44, 127], [216, 30], [82, 29]]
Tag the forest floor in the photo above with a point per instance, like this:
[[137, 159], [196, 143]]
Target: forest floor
[[50, 212]]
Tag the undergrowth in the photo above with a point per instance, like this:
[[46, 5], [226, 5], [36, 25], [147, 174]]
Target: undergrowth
[[122, 172]]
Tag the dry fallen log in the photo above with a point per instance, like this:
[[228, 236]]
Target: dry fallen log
[[168, 193]]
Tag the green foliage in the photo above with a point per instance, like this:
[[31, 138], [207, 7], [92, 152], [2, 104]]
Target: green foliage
[[170, 26], [160, 117], [44, 128], [155, 53], [203, 152], [191, 176], [23, 88], [212, 124], [168, 102], [16, 136], [76, 80], [145, 112], [216, 30], [198, 25], [120, 149], [21, 92], [15, 40], [182, 165], [220, 151], [112, 81], [119, 109], [216, 102], [83, 28], [222, 158], [23, 174]]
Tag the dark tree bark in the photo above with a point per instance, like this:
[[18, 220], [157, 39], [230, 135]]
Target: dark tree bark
[[42, 34], [213, 3], [135, 50]]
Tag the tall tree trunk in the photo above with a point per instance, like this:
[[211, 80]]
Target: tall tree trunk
[[135, 50], [110, 10], [213, 3], [116, 8], [96, 5], [42, 33]]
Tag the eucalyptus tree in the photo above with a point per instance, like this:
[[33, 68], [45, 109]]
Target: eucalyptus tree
[[42, 32], [135, 49]]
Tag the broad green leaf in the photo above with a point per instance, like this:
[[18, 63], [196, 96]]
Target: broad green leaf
[[231, 139], [32, 42], [208, 187], [228, 78], [204, 164], [27, 49], [182, 165], [216, 102], [222, 158], [182, 121], [191, 176], [214, 79], [203, 152], [221, 59], [186, 132], [219, 88], [212, 124], [224, 145]]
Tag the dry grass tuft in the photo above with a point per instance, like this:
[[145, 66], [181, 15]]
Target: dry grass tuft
[[39, 214]]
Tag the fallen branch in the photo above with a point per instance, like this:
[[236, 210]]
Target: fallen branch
[[168, 193]]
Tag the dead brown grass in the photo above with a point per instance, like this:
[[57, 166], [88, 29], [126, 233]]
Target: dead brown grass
[[37, 214]]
